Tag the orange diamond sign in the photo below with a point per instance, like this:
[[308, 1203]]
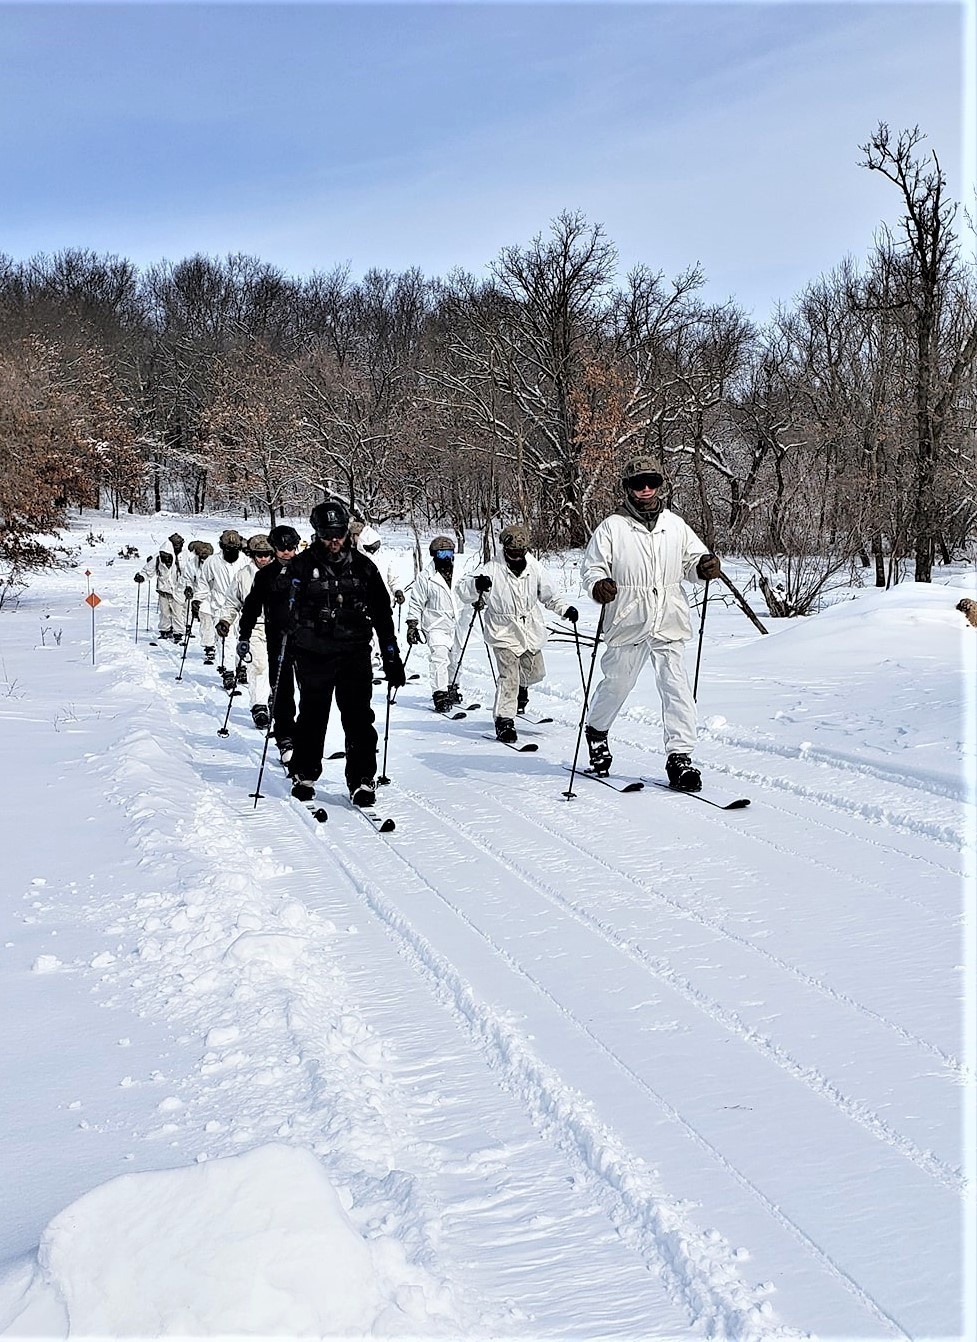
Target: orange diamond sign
[[93, 599]]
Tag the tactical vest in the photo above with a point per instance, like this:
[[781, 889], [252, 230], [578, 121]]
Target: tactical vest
[[332, 607]]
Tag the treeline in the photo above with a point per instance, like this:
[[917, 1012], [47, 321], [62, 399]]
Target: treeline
[[841, 432]]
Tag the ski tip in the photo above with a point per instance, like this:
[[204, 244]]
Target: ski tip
[[319, 813], [338, 755], [737, 805], [387, 826], [528, 747], [632, 787]]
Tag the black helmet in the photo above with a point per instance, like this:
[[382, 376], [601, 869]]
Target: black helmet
[[284, 538], [329, 520]]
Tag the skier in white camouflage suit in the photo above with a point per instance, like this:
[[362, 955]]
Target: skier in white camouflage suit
[[213, 583], [512, 589], [197, 553], [432, 618], [634, 566], [167, 569], [253, 650]]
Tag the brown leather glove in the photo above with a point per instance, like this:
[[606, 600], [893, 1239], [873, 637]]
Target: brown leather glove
[[605, 590], [709, 567]]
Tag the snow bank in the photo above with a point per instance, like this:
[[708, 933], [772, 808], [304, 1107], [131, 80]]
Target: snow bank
[[256, 1244]]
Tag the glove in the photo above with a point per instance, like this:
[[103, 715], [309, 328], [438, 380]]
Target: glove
[[187, 593], [483, 583], [243, 649], [605, 590], [572, 614], [413, 633], [709, 567], [393, 667], [140, 577], [399, 597], [223, 628], [195, 609]]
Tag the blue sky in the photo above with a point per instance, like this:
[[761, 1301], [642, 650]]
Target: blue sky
[[435, 134]]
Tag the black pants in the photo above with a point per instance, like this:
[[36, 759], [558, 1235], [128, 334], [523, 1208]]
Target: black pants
[[284, 719], [347, 672]]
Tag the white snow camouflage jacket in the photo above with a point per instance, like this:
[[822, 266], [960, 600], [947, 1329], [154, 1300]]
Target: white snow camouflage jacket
[[649, 568], [434, 605], [512, 617], [169, 577], [242, 580], [213, 581]]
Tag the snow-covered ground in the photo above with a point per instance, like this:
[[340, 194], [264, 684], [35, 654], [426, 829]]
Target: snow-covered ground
[[621, 1066]]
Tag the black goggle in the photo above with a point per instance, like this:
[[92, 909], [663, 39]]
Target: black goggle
[[647, 480], [372, 549], [444, 554]]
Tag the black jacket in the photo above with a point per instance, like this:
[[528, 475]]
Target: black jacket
[[338, 605]]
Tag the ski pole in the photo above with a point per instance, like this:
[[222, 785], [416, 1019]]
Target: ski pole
[[576, 639], [222, 668], [406, 660], [386, 733], [570, 794], [476, 610], [488, 652], [702, 626], [138, 597], [257, 794], [223, 731], [186, 643]]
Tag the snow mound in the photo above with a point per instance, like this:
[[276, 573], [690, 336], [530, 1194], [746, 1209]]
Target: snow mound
[[255, 1244]]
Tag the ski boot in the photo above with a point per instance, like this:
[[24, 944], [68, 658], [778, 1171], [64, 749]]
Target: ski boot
[[260, 717], [523, 699], [601, 758], [683, 776], [441, 701], [365, 794], [228, 680], [285, 749], [242, 674], [505, 730], [303, 789], [454, 695], [209, 656]]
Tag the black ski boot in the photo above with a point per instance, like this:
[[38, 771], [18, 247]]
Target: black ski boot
[[260, 717], [523, 699], [303, 789], [228, 680], [365, 794], [454, 695], [285, 748], [505, 730], [441, 701], [209, 656], [683, 776], [242, 674], [601, 758]]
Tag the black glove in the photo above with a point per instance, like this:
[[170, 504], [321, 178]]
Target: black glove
[[140, 577], [483, 583], [572, 614], [399, 597], [413, 633], [709, 567], [605, 590], [393, 667], [243, 649], [187, 593], [223, 628], [195, 609]]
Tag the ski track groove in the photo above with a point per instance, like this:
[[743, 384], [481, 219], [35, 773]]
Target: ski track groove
[[579, 1132], [947, 1060], [727, 1019]]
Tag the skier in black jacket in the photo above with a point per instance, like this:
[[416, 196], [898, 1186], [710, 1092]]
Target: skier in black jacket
[[270, 594], [339, 599]]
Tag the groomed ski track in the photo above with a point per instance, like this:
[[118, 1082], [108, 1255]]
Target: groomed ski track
[[563, 969]]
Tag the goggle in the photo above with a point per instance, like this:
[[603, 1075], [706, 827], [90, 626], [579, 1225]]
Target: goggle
[[332, 534], [647, 480], [285, 549], [372, 549], [444, 554]]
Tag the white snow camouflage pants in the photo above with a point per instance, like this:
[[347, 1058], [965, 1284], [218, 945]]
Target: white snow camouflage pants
[[443, 657], [515, 669], [621, 666]]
